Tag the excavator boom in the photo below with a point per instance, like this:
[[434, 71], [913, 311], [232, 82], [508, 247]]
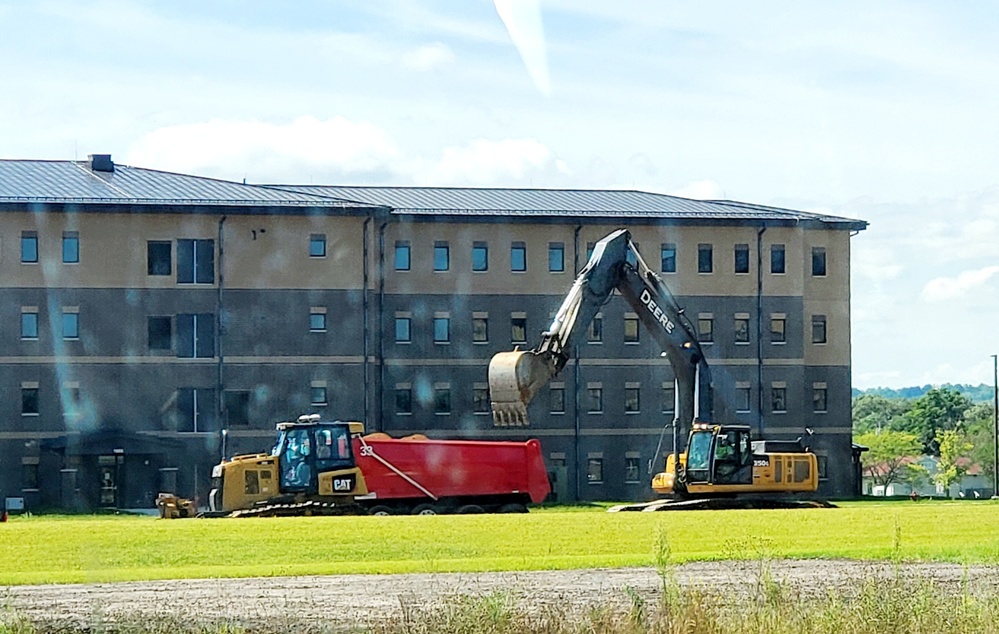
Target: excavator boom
[[516, 377]]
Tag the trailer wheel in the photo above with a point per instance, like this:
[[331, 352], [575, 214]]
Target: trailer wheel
[[513, 508], [425, 509], [470, 509], [380, 510]]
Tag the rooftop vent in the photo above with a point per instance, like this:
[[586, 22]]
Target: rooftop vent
[[101, 163]]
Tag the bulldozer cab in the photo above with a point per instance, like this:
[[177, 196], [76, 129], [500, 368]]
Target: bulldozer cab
[[306, 449], [719, 454]]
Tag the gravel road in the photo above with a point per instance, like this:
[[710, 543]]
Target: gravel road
[[359, 600]]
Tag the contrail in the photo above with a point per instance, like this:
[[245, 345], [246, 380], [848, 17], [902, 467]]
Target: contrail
[[523, 21]]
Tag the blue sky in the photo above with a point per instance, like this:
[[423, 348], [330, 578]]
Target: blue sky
[[882, 111]]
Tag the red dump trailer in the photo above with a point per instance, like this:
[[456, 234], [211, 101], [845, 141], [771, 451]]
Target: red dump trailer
[[417, 475]]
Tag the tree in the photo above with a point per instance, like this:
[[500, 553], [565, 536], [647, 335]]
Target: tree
[[980, 427], [890, 456], [940, 409], [953, 447], [874, 412]]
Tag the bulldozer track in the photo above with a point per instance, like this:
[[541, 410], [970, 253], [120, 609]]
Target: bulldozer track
[[293, 509]]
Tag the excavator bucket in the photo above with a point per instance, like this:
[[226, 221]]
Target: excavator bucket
[[514, 378]]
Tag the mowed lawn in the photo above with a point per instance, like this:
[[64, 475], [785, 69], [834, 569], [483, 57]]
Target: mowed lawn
[[66, 549]]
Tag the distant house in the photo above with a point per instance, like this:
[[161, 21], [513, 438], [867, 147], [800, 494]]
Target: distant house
[[974, 484]]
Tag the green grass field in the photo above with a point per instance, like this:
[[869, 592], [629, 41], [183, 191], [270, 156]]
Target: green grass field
[[70, 549]]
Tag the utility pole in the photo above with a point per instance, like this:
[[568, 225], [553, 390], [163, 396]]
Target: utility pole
[[995, 427]]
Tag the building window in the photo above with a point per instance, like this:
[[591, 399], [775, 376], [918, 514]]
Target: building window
[[442, 400], [777, 265], [402, 256], [317, 395], [743, 399], [29, 247], [556, 400], [480, 329], [70, 247], [442, 256], [632, 403], [518, 329], [317, 245], [403, 333], [595, 331], [317, 320], [70, 325], [669, 398], [631, 470], [822, 466], [71, 400], [480, 399], [818, 261], [29, 401], [818, 329], [595, 470], [742, 258], [442, 329], [819, 402], [29, 476], [195, 261], [556, 257], [667, 257], [480, 256], [196, 336], [196, 410], [705, 258], [705, 329], [778, 399], [778, 326], [236, 407], [160, 333], [594, 399], [159, 258], [29, 325], [403, 399], [518, 257], [631, 328], [742, 329]]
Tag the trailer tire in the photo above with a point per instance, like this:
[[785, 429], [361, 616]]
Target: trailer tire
[[425, 509], [470, 509], [513, 508], [381, 509]]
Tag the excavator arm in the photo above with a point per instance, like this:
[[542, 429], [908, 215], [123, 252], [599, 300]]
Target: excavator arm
[[516, 377]]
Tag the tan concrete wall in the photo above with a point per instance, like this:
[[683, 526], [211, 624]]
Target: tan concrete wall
[[260, 251]]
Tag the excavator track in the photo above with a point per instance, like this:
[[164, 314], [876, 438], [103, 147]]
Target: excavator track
[[719, 504]]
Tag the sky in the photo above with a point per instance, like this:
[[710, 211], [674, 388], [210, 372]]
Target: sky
[[885, 112]]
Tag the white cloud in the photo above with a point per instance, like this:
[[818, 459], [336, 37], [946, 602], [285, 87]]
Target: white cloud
[[700, 190], [428, 57], [266, 152], [485, 162], [945, 288]]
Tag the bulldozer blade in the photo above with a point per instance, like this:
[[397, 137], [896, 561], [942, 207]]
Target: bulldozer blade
[[510, 387]]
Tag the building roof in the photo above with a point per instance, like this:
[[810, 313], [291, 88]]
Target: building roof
[[27, 181], [99, 180], [616, 204]]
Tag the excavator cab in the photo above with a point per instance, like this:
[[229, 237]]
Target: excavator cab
[[720, 454]]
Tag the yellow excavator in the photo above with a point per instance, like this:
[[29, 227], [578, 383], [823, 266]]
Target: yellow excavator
[[721, 461]]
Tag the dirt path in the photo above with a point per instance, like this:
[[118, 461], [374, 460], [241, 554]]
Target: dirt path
[[353, 600]]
